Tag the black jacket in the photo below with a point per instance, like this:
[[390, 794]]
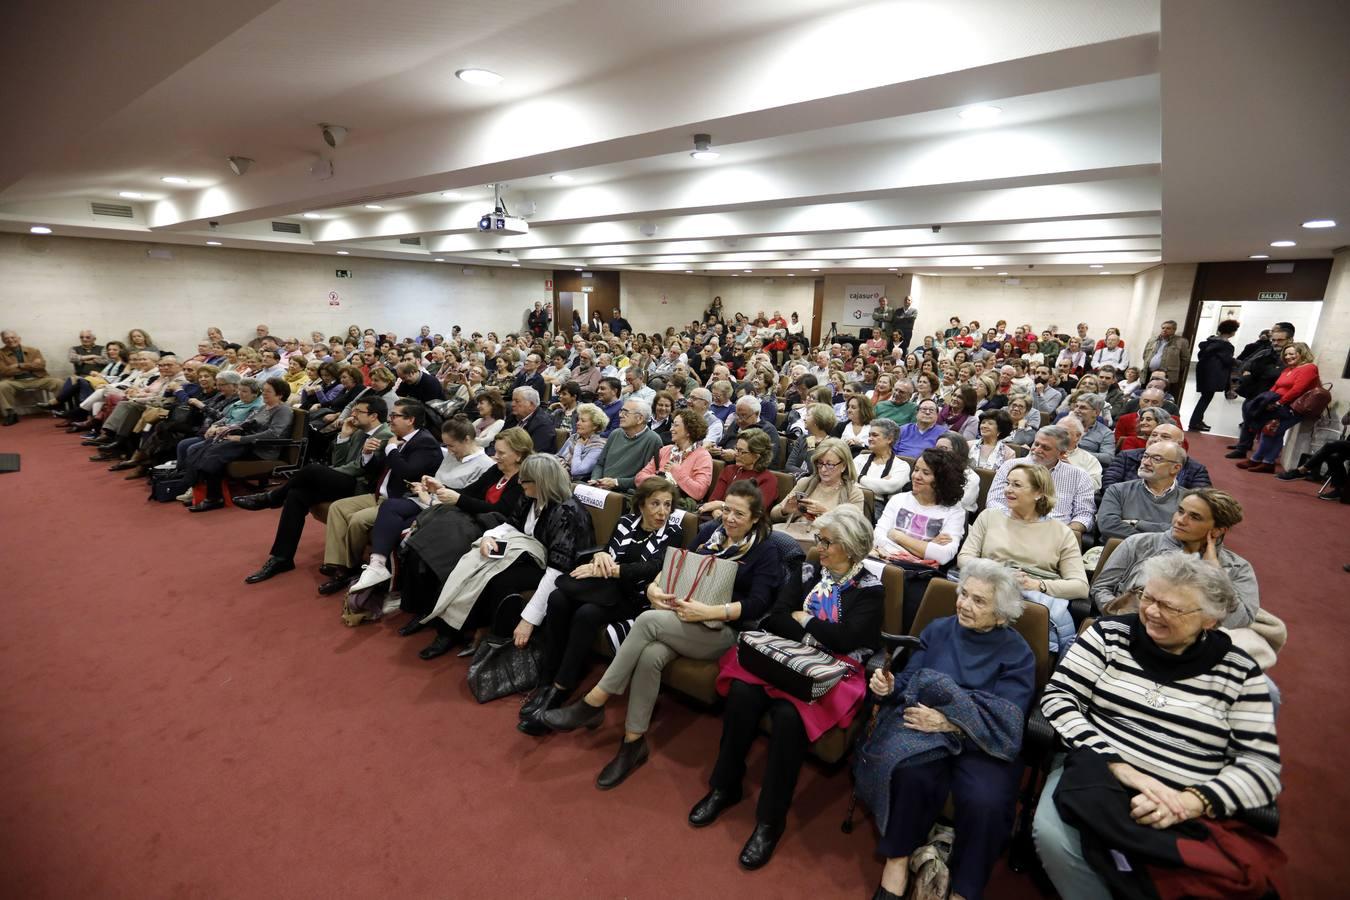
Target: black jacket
[[1260, 372], [860, 615], [565, 529], [426, 389], [420, 456], [539, 426], [1214, 365], [535, 381]]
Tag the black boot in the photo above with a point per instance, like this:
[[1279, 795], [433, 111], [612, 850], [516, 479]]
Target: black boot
[[759, 849], [542, 700], [574, 716], [631, 755]]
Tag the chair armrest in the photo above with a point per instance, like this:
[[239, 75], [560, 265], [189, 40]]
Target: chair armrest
[[1080, 609], [1265, 819], [1039, 736]]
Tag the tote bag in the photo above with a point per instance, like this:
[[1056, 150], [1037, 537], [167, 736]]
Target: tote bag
[[699, 577]]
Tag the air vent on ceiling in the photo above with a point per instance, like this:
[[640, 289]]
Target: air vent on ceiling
[[116, 210], [411, 242], [286, 227]]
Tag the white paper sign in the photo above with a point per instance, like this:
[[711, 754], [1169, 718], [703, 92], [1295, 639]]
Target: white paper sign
[[591, 495]]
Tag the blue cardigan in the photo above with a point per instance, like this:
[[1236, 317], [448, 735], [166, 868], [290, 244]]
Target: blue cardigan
[[759, 575]]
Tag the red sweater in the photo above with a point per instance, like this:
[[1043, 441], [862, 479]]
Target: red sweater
[[1295, 382]]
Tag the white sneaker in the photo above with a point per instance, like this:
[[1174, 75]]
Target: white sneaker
[[185, 497], [371, 575]]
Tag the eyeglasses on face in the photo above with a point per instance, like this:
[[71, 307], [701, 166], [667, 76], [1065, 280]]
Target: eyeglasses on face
[[825, 543], [1167, 610], [1156, 458], [826, 464]]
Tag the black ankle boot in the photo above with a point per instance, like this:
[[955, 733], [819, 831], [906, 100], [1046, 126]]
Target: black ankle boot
[[538, 699], [631, 755], [533, 724]]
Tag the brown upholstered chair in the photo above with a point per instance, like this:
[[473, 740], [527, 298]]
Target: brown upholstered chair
[[785, 485], [986, 479], [259, 470], [1107, 550]]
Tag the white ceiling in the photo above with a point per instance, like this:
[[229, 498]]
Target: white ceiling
[[837, 124]]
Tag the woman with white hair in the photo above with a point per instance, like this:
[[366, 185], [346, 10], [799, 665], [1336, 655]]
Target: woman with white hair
[[1181, 718], [960, 704], [841, 614]]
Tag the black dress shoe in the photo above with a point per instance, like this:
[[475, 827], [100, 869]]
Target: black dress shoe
[[574, 716], [95, 441], [411, 627], [337, 583], [1292, 475], [533, 724], [275, 565], [332, 571], [631, 755], [439, 647], [123, 466], [11, 418], [883, 894], [207, 505], [759, 849], [103, 456], [706, 811], [537, 700], [254, 502], [1235, 454]]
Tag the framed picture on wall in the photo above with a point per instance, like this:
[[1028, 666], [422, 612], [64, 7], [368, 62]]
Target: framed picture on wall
[[1230, 312]]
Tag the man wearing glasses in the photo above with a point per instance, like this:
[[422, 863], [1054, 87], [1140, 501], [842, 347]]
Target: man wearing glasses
[[388, 466], [922, 433], [628, 448], [1146, 503]]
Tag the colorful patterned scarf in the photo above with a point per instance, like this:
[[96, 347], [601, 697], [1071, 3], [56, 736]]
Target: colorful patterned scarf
[[823, 600]]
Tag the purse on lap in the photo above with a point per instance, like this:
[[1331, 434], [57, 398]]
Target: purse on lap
[[806, 673], [699, 577]]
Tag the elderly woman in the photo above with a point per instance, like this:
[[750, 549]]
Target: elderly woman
[[1165, 703], [581, 451], [1026, 419], [528, 552], [1099, 438], [820, 421], [1044, 551], [610, 587], [754, 452], [269, 422], [684, 462], [879, 469], [841, 614], [993, 450], [834, 483], [959, 704], [1148, 420], [663, 409], [675, 627]]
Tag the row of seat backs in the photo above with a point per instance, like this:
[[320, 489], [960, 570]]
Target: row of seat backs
[[243, 469]]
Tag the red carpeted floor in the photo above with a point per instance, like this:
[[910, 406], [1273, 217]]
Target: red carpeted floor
[[168, 731]]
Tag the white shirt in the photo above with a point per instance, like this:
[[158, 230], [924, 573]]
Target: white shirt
[[905, 512]]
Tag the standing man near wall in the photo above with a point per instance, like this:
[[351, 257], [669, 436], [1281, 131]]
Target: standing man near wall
[[881, 320], [1169, 352], [903, 322]]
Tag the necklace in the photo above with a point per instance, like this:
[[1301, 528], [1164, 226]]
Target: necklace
[[501, 485], [1154, 696]]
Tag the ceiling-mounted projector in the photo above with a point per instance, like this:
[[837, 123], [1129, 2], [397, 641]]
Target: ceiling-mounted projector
[[498, 222]]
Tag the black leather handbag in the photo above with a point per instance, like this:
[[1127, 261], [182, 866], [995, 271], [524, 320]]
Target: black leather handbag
[[500, 668]]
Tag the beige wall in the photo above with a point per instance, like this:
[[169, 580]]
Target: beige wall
[[52, 287], [653, 301], [836, 287], [1333, 331]]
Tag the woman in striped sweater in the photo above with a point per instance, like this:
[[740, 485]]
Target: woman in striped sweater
[[1182, 717]]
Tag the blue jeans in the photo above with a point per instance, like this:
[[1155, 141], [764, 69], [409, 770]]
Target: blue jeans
[[1060, 847], [1268, 447]]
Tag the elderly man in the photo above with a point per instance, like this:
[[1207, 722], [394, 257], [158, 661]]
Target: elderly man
[[525, 414], [1098, 439], [1073, 487], [1126, 464], [21, 369], [587, 374], [1169, 352], [1128, 424], [1145, 503], [899, 407], [635, 385], [529, 375], [86, 357], [700, 401], [745, 416], [922, 433], [387, 465], [1076, 455], [821, 370], [417, 385], [172, 386], [262, 334], [628, 448]]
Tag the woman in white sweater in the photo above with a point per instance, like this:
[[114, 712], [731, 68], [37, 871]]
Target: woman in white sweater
[[924, 525], [879, 469]]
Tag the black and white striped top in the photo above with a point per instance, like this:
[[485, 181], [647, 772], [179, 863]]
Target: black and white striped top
[[631, 544], [1201, 719]]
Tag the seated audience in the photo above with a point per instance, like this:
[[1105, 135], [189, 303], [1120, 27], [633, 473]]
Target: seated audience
[[1148, 502], [1098, 438], [1073, 487], [525, 413], [860, 413], [1126, 464], [1297, 378], [674, 627], [628, 448], [923, 432], [609, 587], [951, 725], [1127, 425], [1076, 456], [834, 482], [581, 451], [1334, 456], [1026, 419], [879, 469], [684, 462], [754, 453], [820, 423], [700, 401], [1045, 553], [899, 407], [993, 449], [1183, 721], [841, 614], [269, 422], [746, 415], [491, 413], [1147, 420], [959, 413], [954, 443], [21, 369]]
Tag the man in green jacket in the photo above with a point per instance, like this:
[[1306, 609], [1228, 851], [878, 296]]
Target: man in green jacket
[[317, 483], [629, 447]]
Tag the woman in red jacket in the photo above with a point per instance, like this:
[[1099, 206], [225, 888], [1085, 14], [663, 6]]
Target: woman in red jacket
[[1298, 377]]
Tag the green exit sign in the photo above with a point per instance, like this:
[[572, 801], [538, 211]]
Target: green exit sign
[[1272, 295]]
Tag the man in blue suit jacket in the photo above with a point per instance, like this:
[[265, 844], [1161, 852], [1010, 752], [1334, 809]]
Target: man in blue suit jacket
[[387, 466]]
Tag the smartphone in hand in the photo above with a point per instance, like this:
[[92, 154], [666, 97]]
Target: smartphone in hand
[[498, 550]]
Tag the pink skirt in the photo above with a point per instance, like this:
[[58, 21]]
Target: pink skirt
[[836, 708]]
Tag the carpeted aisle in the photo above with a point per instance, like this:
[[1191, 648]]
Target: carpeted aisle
[[168, 731]]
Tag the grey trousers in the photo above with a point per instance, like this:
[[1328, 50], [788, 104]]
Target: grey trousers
[[657, 638], [1060, 847]]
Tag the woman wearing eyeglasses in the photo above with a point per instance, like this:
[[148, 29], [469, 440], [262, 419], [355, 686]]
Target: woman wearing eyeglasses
[[754, 452], [841, 614], [674, 627], [1180, 718], [834, 483]]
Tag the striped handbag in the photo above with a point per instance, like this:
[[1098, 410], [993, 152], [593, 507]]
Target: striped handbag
[[806, 673]]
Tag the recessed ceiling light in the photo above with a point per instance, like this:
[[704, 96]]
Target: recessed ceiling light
[[1259, 256], [979, 114], [562, 178], [174, 179], [312, 215], [213, 243], [735, 275], [978, 268], [792, 274], [1003, 273], [1103, 273], [515, 265], [342, 253], [577, 269], [438, 259], [747, 271], [1283, 244], [374, 206], [130, 195], [1320, 223], [480, 77], [1096, 266], [689, 271], [891, 270], [40, 229], [705, 154]]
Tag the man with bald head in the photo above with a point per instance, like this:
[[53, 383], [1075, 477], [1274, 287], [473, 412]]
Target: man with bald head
[[1126, 465], [21, 369], [1145, 503]]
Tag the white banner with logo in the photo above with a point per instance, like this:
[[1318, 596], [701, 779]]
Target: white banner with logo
[[859, 301]]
